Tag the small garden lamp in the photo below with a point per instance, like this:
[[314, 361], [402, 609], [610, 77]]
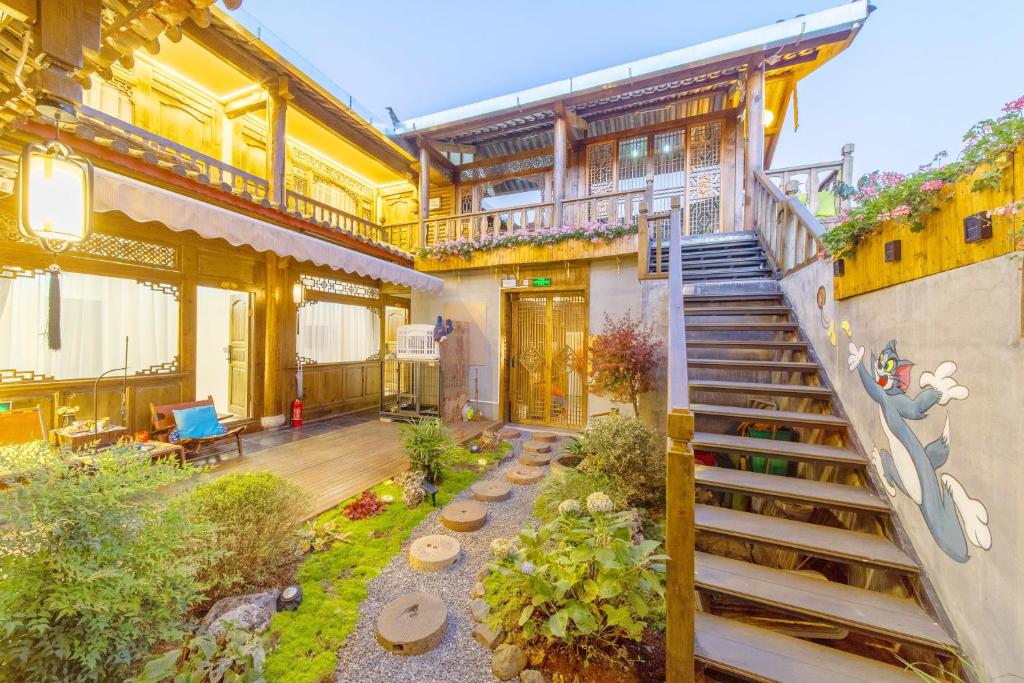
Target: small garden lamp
[[55, 197]]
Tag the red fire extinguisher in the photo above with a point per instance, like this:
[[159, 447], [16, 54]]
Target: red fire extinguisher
[[297, 412]]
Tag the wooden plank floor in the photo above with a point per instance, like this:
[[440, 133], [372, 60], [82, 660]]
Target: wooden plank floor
[[339, 463]]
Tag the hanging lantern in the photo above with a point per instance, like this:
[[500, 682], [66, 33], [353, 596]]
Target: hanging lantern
[[55, 201]]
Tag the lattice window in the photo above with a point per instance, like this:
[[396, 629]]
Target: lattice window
[[342, 287], [632, 168], [599, 169], [705, 183], [669, 168]]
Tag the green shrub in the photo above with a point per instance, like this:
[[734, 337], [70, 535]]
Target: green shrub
[[570, 484], [235, 655], [627, 452], [429, 445], [579, 580], [97, 563], [255, 516]]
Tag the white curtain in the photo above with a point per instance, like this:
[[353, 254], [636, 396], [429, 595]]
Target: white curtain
[[337, 333], [97, 313]]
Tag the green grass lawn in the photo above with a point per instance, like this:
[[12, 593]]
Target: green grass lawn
[[334, 581]]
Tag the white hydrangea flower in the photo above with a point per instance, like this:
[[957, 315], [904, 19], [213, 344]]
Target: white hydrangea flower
[[599, 502], [527, 568], [502, 548], [569, 506]]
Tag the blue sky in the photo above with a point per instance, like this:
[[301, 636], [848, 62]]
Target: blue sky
[[920, 73]]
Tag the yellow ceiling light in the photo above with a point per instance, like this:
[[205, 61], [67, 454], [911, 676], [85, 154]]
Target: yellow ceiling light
[[769, 118]]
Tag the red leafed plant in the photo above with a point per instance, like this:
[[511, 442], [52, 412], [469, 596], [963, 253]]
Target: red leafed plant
[[366, 505], [623, 359]]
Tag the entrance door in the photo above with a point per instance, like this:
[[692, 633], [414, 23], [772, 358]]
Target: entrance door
[[548, 359], [238, 356]]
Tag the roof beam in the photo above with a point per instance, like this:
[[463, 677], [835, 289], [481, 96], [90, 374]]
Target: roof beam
[[244, 104]]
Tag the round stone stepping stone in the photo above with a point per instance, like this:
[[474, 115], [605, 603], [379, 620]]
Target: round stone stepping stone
[[490, 490], [537, 446], [534, 459], [412, 624], [509, 433], [464, 515], [433, 553], [545, 436], [524, 474]]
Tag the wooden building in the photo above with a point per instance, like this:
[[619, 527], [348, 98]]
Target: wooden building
[[248, 219]]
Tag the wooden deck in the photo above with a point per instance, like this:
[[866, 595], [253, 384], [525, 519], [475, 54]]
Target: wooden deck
[[339, 463]]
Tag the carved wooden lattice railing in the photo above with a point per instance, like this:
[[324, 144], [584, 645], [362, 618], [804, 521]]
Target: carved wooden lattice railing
[[331, 218], [788, 231], [828, 176], [614, 207], [489, 223], [679, 474], [402, 235]]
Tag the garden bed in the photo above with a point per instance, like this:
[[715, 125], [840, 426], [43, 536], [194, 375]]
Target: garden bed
[[334, 582]]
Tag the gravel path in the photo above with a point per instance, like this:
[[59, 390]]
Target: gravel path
[[459, 658]]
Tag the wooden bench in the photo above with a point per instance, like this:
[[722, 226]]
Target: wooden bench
[[163, 423]]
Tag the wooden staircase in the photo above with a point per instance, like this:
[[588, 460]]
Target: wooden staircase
[[796, 569]]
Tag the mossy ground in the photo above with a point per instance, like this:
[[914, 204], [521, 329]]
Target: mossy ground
[[304, 642]]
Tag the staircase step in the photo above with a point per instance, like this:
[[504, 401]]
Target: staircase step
[[858, 609], [842, 545], [762, 388], [729, 260], [714, 254], [696, 244], [738, 296], [781, 417], [771, 345], [766, 365], [819, 493], [743, 327], [790, 450], [759, 654], [737, 310], [726, 272]]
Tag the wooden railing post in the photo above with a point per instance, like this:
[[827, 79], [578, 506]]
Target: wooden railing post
[[846, 174], [424, 189], [643, 243], [558, 166], [679, 475]]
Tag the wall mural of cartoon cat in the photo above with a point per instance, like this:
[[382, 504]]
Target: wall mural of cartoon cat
[[956, 520]]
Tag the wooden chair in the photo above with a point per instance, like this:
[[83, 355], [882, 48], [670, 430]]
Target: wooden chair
[[163, 423], [23, 425]]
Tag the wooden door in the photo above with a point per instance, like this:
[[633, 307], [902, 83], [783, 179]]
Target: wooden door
[[547, 359], [238, 356]]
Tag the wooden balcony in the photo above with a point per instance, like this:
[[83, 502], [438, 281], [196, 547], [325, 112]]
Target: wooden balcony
[[138, 143]]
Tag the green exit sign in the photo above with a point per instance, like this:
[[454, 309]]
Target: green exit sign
[[541, 282]]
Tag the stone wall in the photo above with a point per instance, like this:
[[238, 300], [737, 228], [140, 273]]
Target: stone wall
[[970, 316]]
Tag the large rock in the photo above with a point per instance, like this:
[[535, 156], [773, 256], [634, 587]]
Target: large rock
[[479, 609], [249, 612], [508, 661], [487, 636], [532, 676], [412, 624]]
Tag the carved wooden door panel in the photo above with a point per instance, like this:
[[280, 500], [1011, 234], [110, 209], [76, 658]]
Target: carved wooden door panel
[[547, 359]]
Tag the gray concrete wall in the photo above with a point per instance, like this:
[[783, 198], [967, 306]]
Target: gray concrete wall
[[971, 317], [475, 297]]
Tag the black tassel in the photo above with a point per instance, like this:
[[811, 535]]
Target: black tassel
[[53, 324]]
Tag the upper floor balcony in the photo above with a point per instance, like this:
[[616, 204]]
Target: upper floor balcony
[[246, 122]]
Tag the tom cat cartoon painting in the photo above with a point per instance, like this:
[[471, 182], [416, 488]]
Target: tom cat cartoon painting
[[956, 520]]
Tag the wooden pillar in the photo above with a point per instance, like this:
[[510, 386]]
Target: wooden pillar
[[558, 167], [63, 30], [188, 320], [679, 540], [277, 140], [753, 139], [424, 190], [279, 304]]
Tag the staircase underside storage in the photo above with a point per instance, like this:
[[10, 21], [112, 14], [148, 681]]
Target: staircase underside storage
[[799, 573]]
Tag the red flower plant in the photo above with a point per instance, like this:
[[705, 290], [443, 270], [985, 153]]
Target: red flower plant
[[623, 359], [367, 505]]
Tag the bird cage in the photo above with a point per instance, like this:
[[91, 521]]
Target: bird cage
[[416, 342]]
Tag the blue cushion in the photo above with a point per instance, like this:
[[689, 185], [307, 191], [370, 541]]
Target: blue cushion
[[197, 423]]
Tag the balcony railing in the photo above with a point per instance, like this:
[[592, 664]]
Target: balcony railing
[[139, 143], [819, 183], [169, 155], [615, 207], [489, 223]]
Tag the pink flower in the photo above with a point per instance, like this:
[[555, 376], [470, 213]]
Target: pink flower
[[932, 185]]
